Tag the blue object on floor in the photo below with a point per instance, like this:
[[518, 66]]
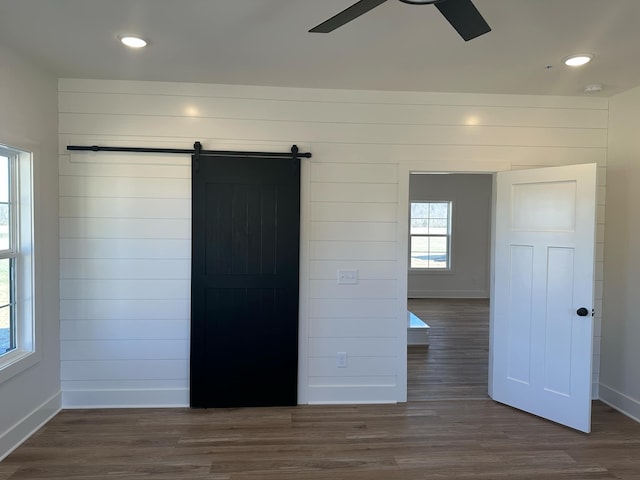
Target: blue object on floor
[[417, 331]]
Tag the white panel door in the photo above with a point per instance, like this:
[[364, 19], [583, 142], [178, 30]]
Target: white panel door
[[541, 342]]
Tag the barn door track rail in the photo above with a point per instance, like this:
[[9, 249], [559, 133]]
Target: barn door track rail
[[196, 150]]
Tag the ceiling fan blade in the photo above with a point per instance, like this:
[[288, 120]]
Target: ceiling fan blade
[[345, 16], [464, 17]]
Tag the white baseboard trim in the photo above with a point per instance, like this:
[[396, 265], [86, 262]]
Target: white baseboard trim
[[351, 394], [595, 391], [154, 398], [447, 294], [23, 429], [621, 402]]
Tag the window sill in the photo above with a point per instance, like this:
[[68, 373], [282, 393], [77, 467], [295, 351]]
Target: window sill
[[13, 363], [424, 271]]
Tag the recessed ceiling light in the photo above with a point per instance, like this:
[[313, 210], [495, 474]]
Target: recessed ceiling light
[[133, 41], [578, 60]]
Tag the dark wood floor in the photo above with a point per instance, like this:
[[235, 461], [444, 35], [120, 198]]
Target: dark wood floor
[[463, 435], [455, 364], [464, 439]]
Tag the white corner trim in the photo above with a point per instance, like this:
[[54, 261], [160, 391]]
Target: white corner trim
[[621, 402], [27, 426]]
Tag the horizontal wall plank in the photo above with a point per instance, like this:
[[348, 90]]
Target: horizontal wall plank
[[325, 250], [112, 269], [358, 394], [352, 212], [124, 248], [123, 228], [354, 173], [125, 349], [125, 309], [147, 208], [117, 187], [374, 289], [121, 164], [354, 192], [336, 131], [358, 231], [449, 154], [123, 369], [126, 398], [115, 329], [125, 289], [352, 381], [354, 347], [367, 269], [356, 367], [352, 308], [93, 385], [350, 327]]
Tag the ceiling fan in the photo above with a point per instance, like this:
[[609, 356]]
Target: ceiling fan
[[461, 14]]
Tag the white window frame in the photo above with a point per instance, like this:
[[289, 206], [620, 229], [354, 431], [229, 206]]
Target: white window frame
[[25, 354], [449, 235]]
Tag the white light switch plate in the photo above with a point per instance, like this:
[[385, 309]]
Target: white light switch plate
[[347, 277], [341, 359]]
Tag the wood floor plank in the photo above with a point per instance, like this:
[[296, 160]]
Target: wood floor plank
[[7, 471]]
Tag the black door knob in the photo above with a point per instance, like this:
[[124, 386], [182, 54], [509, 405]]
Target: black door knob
[[582, 312]]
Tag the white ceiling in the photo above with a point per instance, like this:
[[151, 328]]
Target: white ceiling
[[393, 47]]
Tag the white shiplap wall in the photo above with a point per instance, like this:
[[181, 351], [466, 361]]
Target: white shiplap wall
[[125, 272], [125, 219]]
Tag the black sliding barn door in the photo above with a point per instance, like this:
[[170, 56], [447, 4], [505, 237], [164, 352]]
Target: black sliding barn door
[[244, 286]]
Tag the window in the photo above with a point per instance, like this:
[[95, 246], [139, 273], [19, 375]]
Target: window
[[7, 256], [16, 254], [430, 235]]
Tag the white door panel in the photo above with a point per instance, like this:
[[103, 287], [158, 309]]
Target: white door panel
[[541, 349]]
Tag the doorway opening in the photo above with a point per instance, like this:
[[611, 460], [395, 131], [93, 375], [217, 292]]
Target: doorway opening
[[448, 285]]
